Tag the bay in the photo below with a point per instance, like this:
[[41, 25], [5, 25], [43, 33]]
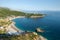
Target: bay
[[50, 24]]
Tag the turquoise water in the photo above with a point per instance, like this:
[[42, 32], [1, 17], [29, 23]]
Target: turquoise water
[[50, 24]]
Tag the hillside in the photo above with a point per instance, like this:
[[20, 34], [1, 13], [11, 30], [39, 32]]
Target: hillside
[[4, 12]]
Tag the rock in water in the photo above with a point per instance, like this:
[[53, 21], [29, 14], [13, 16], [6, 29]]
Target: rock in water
[[39, 30]]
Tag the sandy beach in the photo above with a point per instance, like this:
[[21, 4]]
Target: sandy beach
[[12, 29], [14, 17]]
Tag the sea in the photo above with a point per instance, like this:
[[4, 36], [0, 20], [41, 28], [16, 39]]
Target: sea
[[50, 23]]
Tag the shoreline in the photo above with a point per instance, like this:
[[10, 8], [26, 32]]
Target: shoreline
[[14, 17], [15, 30], [12, 29], [37, 16]]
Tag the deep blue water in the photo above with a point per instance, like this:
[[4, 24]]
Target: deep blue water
[[50, 24]]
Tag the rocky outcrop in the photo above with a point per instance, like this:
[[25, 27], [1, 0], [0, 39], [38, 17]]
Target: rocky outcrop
[[39, 30]]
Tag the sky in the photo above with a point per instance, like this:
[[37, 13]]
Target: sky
[[53, 5]]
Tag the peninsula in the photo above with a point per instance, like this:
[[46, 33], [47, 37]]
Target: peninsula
[[6, 12]]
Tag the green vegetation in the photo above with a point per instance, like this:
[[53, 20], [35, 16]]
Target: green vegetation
[[26, 36], [4, 12], [4, 24], [31, 14], [2, 31]]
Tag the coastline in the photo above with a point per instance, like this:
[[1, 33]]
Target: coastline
[[12, 29], [42, 38], [37, 16], [14, 17]]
